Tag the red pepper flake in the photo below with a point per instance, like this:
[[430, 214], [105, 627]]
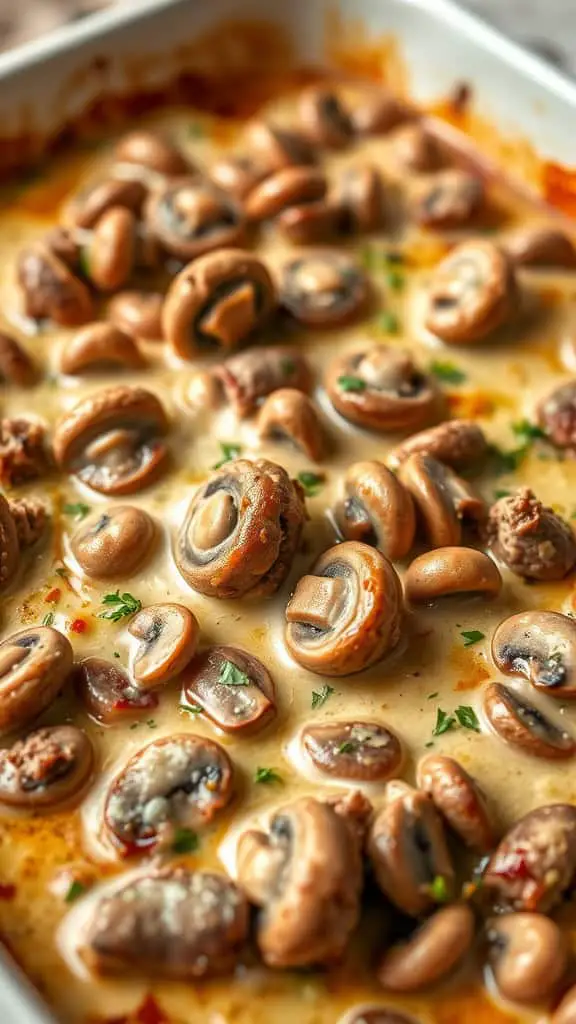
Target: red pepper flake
[[78, 626], [53, 596], [7, 892]]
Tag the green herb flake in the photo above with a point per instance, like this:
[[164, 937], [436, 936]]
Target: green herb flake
[[116, 654], [126, 604], [351, 383], [48, 619], [319, 697], [195, 130], [432, 695], [444, 722], [229, 451], [151, 724], [311, 482], [367, 257], [288, 367], [231, 675], [347, 747], [429, 744], [267, 776], [62, 572], [394, 257], [471, 636], [185, 841], [501, 493], [467, 717], [388, 322], [446, 371], [527, 431], [395, 279], [507, 461], [438, 890], [78, 510], [75, 890], [191, 709]]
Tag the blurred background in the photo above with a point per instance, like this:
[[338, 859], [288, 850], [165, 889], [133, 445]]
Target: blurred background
[[546, 26]]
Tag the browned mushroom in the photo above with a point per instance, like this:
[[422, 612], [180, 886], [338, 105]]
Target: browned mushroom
[[34, 665], [459, 799], [357, 751], [241, 531], [111, 253], [324, 118], [48, 767], [305, 873], [108, 694], [250, 376], [378, 111], [98, 347], [167, 638], [534, 864], [565, 1012], [542, 246], [473, 291], [359, 199], [138, 313], [152, 150], [274, 148], [323, 289], [442, 499], [113, 440], [433, 951], [288, 414], [50, 290], [377, 509], [9, 545], [541, 646], [88, 206], [528, 956], [447, 199], [523, 724], [450, 572], [557, 416], [381, 388], [172, 923], [408, 851], [16, 366], [180, 781], [460, 444], [187, 218], [217, 301], [414, 148], [232, 687], [23, 451], [288, 187], [114, 542], [347, 613], [237, 175], [376, 1015], [530, 538]]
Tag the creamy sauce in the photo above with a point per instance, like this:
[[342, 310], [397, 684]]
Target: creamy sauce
[[431, 668]]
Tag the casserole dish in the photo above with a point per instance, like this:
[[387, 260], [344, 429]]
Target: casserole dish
[[425, 49]]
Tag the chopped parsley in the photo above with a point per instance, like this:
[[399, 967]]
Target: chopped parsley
[[432, 695], [471, 636], [185, 841], [501, 493], [311, 482], [116, 654], [347, 747], [62, 572], [395, 279], [444, 722], [195, 130], [75, 890], [319, 697], [467, 717], [446, 371], [230, 451], [48, 619], [438, 890], [388, 322], [507, 461], [267, 776], [350, 383], [231, 675], [192, 709], [527, 431], [79, 510], [126, 604]]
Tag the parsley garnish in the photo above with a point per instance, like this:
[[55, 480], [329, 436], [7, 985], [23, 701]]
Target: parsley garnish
[[507, 461], [267, 776], [48, 619], [311, 482], [395, 279], [351, 383], [151, 724], [192, 709], [116, 654], [185, 841], [467, 717], [438, 890], [501, 493], [76, 889], [471, 636], [527, 431], [319, 697], [447, 371], [62, 572], [229, 451], [79, 510], [444, 722], [432, 695], [231, 675], [126, 604], [388, 322], [347, 747], [195, 130]]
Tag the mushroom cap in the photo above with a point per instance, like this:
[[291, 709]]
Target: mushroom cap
[[111, 252], [88, 205], [251, 376], [138, 313], [323, 288], [450, 198], [286, 187], [457, 443], [151, 149], [528, 955], [232, 687], [114, 541], [108, 693], [376, 509], [442, 499], [16, 366], [522, 723], [98, 346], [450, 571], [289, 413], [189, 217], [459, 800], [541, 646], [432, 951], [542, 246], [34, 665], [51, 290], [166, 637], [358, 751], [324, 118], [46, 768], [359, 198]]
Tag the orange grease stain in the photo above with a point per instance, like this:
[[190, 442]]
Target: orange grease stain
[[470, 666], [559, 186], [470, 1007]]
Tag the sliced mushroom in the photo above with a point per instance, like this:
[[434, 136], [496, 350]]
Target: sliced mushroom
[[459, 799], [99, 347], [180, 781], [376, 1015], [113, 440], [288, 414], [433, 951], [167, 638], [534, 864], [241, 531], [408, 851], [473, 292], [525, 725], [358, 751], [47, 768], [359, 198], [290, 186], [325, 120], [237, 175], [378, 112], [172, 923], [530, 538], [232, 687], [138, 313], [250, 376], [448, 199], [152, 150], [460, 444], [187, 218], [111, 252], [274, 148], [541, 646], [450, 572], [50, 290], [114, 542], [309, 223], [217, 301], [306, 874], [442, 499], [23, 451], [108, 694], [16, 366], [542, 246], [557, 416], [377, 509], [323, 289], [91, 203], [347, 613], [528, 956], [34, 665], [416, 149], [381, 388]]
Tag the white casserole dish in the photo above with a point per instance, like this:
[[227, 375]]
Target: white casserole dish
[[47, 84]]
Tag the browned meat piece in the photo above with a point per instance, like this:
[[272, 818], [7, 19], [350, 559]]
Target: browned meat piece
[[557, 416], [530, 538], [30, 519], [23, 453], [251, 376]]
